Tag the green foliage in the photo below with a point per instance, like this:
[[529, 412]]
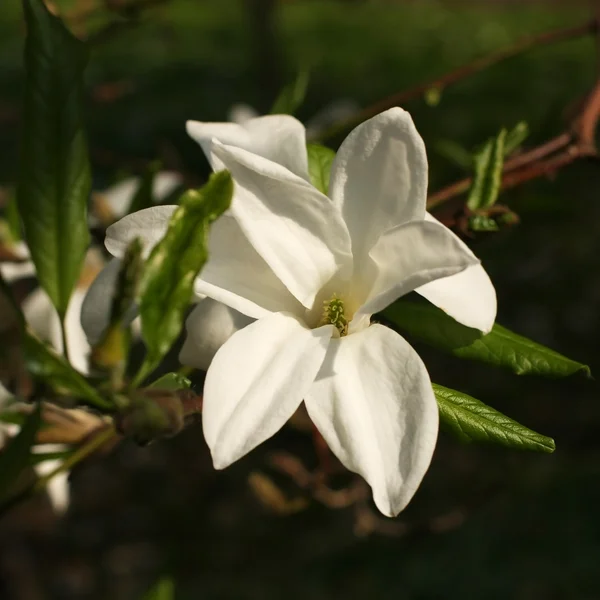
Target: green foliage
[[171, 381], [112, 350], [515, 137], [15, 458], [54, 182], [500, 347], [12, 218], [488, 163], [164, 589], [471, 420], [292, 95], [51, 368], [168, 278], [320, 159], [144, 197]]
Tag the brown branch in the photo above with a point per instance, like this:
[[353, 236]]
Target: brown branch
[[479, 64], [546, 159]]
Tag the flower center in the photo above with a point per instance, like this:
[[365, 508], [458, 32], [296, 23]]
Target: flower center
[[333, 314]]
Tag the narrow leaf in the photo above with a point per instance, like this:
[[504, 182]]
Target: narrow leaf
[[49, 367], [171, 381], [144, 195], [169, 274], [488, 163], [515, 137], [112, 350], [473, 421], [320, 159], [15, 457], [500, 347], [54, 182], [12, 218], [292, 95]]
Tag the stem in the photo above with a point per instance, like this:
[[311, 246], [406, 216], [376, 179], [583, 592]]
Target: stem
[[479, 64], [63, 333], [97, 441]]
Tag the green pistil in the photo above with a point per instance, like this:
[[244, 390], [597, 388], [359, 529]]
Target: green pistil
[[333, 313]]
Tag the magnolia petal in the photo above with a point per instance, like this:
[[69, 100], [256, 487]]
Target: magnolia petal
[[236, 275], [409, 256], [256, 381], [278, 138], [374, 405], [297, 230], [469, 296], [43, 319], [58, 486], [208, 327], [150, 225], [379, 177]]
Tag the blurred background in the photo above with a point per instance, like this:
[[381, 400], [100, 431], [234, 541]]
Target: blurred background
[[487, 522]]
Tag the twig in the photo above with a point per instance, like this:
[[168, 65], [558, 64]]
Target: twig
[[577, 142], [480, 64]]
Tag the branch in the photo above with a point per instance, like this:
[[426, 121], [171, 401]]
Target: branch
[[546, 159], [479, 64]]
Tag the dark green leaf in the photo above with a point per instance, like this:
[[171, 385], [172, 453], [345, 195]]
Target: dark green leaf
[[455, 153], [144, 195], [171, 381], [482, 223], [515, 137], [292, 95], [15, 457], [12, 218], [163, 590], [46, 365], [488, 163], [54, 182], [168, 279], [473, 421], [500, 347], [9, 303], [112, 350], [320, 159]]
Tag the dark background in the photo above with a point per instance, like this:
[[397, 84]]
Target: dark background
[[486, 523]]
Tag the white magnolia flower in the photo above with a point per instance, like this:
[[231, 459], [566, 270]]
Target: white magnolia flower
[[40, 313], [311, 271]]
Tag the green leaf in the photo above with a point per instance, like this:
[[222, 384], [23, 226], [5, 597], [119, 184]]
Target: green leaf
[[171, 381], [320, 159], [168, 279], [12, 218], [500, 347], [144, 195], [455, 153], [482, 223], [488, 162], [473, 421], [15, 457], [112, 350], [46, 365], [162, 590], [54, 182], [292, 95], [515, 137]]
